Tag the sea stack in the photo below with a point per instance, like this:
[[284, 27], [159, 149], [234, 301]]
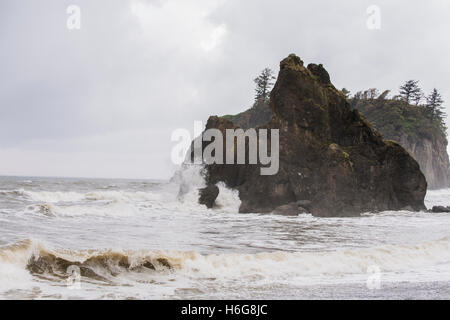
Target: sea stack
[[412, 127], [332, 162]]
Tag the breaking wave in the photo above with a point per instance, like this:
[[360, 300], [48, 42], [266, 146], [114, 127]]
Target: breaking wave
[[104, 265], [116, 196], [13, 193]]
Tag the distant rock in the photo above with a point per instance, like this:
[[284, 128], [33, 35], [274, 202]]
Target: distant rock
[[332, 161], [437, 209]]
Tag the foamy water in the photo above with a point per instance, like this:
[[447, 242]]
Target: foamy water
[[151, 239]]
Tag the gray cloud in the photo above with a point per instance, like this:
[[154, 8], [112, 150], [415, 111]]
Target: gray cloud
[[103, 100]]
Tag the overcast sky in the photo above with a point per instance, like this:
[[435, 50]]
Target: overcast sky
[[103, 101]]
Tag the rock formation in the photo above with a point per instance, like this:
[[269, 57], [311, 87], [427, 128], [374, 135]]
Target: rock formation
[[208, 195], [423, 138], [438, 209], [332, 162], [431, 154], [257, 115]]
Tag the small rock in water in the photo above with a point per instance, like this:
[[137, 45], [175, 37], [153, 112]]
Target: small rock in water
[[208, 195], [437, 209]]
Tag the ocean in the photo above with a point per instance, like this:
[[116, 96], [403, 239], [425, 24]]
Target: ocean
[[66, 238]]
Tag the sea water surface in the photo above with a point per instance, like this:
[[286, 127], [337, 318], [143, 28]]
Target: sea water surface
[[128, 239]]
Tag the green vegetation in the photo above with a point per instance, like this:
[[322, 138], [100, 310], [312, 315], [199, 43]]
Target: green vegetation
[[257, 115], [396, 117], [411, 91], [264, 83]]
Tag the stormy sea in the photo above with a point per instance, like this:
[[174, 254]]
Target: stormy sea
[[66, 238]]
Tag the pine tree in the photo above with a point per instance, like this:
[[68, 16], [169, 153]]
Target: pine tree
[[418, 96], [434, 105], [264, 83], [410, 91]]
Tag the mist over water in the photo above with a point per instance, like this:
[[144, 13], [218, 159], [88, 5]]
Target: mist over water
[[151, 239]]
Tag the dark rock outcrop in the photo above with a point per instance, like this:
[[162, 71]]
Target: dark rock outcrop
[[438, 209], [208, 195], [331, 159]]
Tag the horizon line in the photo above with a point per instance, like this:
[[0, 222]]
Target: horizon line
[[77, 177]]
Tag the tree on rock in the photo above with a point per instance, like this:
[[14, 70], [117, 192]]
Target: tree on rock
[[346, 93], [411, 91], [418, 96], [264, 83], [434, 105], [384, 95], [372, 93]]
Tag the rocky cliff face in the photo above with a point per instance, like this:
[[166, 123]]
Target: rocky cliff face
[[432, 157], [332, 162], [410, 127]]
